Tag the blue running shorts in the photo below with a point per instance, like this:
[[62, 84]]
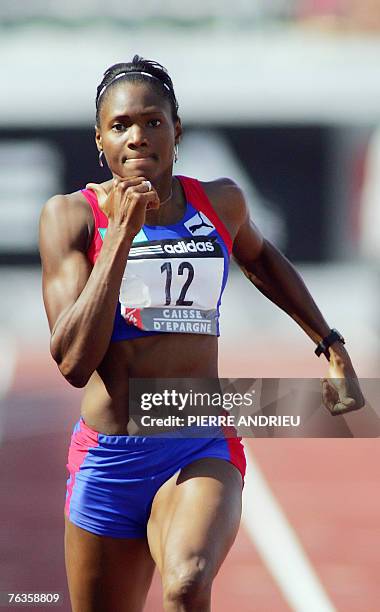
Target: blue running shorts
[[113, 479]]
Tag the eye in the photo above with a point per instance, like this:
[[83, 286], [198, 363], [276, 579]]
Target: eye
[[154, 122], [118, 127]]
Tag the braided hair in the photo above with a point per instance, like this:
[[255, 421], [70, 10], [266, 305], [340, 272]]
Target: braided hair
[[139, 70]]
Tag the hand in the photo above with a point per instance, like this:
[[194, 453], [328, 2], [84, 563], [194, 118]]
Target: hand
[[341, 390], [126, 202]]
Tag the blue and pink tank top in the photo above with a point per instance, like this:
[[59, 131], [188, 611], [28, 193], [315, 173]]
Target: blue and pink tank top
[[175, 274]]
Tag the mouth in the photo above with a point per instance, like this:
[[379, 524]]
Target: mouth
[[139, 159]]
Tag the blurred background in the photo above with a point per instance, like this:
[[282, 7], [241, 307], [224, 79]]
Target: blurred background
[[284, 97]]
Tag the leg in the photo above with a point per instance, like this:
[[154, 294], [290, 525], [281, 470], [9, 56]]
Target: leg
[[193, 524], [106, 574]]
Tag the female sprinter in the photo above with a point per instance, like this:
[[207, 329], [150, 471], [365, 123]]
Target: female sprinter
[[122, 261]]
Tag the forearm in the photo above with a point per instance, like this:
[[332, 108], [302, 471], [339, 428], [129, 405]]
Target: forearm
[[82, 334], [278, 280]]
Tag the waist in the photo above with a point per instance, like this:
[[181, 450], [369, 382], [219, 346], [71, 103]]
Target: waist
[[160, 356], [169, 431], [105, 402]]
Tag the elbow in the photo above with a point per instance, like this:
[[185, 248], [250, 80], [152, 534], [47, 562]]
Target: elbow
[[74, 374], [70, 368]]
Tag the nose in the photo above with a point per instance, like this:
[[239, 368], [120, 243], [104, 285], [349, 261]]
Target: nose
[[136, 136]]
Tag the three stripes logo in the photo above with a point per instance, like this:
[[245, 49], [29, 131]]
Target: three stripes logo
[[147, 250]]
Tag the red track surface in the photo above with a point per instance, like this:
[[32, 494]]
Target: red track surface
[[328, 489]]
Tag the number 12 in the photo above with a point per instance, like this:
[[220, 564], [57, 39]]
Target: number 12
[[167, 267]]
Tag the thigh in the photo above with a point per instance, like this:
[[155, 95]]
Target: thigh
[[106, 574], [195, 517]]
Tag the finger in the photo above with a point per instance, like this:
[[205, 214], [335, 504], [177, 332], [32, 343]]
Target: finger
[[337, 409], [136, 185], [335, 384], [330, 397], [153, 205], [149, 199], [129, 181], [329, 392], [342, 407], [144, 187]]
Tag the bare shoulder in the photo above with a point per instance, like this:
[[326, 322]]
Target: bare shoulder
[[67, 216], [229, 202], [67, 205], [224, 192]]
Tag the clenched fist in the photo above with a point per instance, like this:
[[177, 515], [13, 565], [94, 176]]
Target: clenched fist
[[341, 390], [126, 201]]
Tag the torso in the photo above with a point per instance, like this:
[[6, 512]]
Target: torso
[[165, 355]]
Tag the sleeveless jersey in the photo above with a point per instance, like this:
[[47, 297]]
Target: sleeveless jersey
[[175, 274]]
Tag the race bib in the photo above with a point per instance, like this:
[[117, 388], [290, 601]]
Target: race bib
[[173, 285]]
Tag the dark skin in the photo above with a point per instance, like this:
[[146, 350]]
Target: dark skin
[[137, 134]]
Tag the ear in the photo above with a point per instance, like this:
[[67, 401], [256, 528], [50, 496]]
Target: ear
[[178, 131], [98, 139]]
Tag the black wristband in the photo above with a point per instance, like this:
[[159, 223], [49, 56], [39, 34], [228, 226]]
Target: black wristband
[[324, 345]]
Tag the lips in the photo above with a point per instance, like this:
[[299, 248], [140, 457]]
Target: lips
[[139, 158]]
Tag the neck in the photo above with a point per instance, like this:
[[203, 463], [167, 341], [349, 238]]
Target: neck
[[162, 202], [164, 187], [172, 206]]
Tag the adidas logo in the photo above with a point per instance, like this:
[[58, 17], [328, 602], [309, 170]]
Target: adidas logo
[[189, 246]]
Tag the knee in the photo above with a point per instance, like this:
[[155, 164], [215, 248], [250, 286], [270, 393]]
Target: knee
[[188, 583]]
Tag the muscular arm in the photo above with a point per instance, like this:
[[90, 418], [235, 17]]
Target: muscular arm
[[278, 280], [80, 301], [272, 273]]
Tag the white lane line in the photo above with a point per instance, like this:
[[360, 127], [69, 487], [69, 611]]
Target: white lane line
[[278, 545], [8, 361]]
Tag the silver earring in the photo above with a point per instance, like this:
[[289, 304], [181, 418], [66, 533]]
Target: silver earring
[[175, 152], [101, 158]]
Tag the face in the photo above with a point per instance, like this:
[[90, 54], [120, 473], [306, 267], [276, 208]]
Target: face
[[137, 132]]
